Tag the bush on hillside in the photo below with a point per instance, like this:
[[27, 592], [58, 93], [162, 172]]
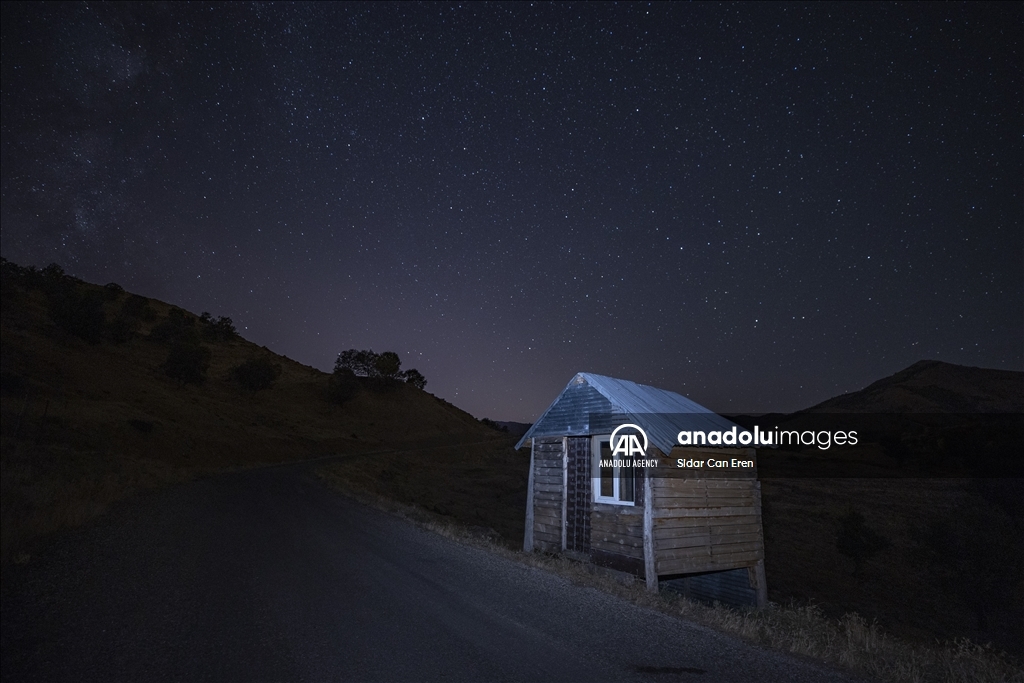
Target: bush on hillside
[[256, 374], [415, 378], [359, 363], [217, 329], [387, 365], [51, 278], [29, 277], [384, 368]]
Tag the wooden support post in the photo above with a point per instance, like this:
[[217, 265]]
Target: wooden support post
[[762, 585], [565, 487], [528, 531], [650, 569]]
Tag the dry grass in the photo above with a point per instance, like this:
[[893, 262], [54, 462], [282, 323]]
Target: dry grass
[[954, 554], [849, 642], [953, 568], [476, 485], [46, 488]]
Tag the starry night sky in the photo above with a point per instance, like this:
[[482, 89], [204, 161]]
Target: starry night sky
[[758, 205]]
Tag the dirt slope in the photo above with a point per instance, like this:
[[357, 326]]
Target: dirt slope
[[83, 424]]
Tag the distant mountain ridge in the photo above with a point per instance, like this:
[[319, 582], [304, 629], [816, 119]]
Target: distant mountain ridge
[[516, 429], [931, 386]]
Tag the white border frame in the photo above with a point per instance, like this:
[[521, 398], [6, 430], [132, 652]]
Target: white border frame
[[595, 475]]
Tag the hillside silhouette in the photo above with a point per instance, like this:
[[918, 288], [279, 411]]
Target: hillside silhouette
[[90, 414], [931, 386]]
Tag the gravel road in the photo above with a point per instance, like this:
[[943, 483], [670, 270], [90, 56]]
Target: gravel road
[[268, 575]]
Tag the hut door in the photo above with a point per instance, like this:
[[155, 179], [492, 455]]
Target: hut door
[[577, 503]]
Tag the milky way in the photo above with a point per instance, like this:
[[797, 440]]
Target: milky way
[[758, 205]]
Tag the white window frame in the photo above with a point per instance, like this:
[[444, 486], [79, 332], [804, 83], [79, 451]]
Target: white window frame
[[595, 475]]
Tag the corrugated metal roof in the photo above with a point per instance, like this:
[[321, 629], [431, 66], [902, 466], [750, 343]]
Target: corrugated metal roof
[[662, 414]]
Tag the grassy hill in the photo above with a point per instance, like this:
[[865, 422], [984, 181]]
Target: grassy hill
[[89, 416]]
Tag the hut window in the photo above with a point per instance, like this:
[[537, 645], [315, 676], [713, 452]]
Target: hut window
[[612, 483]]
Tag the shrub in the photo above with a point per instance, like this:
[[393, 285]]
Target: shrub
[[51, 277], [256, 374], [415, 378], [9, 270], [12, 275], [217, 329], [187, 363], [225, 327], [387, 366], [384, 370], [359, 363]]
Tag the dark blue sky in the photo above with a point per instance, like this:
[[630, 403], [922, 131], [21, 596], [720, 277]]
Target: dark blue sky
[[757, 205]]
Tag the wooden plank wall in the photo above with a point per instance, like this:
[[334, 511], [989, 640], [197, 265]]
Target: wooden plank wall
[[620, 528], [705, 525], [548, 487]]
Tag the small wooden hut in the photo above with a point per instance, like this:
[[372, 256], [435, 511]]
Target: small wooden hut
[[692, 529]]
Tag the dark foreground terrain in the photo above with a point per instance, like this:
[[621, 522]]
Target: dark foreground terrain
[[269, 575]]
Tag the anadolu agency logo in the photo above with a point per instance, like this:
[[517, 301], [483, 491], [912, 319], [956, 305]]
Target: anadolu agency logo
[[625, 441], [629, 443]]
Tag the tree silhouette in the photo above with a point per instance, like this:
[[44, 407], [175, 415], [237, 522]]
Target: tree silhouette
[[387, 366], [415, 378], [360, 363]]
